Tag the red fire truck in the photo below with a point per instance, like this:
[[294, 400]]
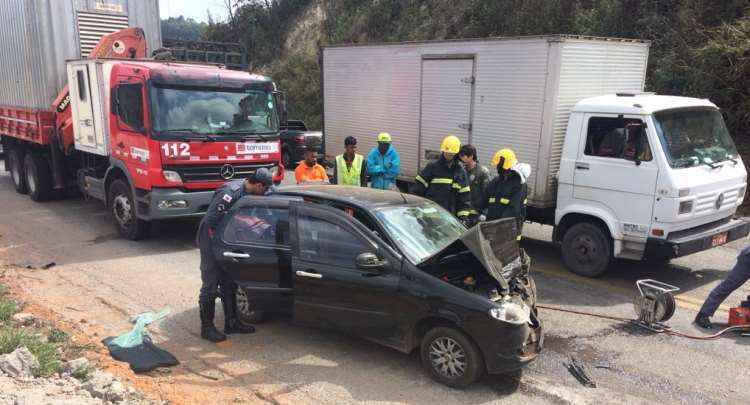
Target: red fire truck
[[149, 138]]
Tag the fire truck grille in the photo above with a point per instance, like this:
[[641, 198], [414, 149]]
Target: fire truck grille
[[216, 172]]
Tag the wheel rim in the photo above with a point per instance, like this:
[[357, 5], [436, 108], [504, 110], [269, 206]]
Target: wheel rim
[[243, 305], [122, 209], [286, 159], [30, 180], [14, 169], [447, 357], [585, 248]]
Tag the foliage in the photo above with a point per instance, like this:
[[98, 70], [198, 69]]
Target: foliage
[[182, 28], [46, 353], [57, 336], [82, 373]]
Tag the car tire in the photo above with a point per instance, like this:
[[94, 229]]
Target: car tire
[[586, 249], [246, 310], [15, 163], [442, 345], [38, 177], [286, 159], [120, 202]]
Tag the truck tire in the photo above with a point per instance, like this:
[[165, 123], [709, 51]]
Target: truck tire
[[38, 177], [586, 249], [451, 357], [120, 201], [15, 163]]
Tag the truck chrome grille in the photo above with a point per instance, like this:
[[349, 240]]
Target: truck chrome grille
[[215, 172]]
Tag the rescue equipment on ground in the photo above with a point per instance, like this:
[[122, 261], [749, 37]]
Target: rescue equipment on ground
[[740, 316]]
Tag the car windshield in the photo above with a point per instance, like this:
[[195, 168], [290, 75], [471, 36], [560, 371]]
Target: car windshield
[[189, 112], [420, 230], [691, 137]]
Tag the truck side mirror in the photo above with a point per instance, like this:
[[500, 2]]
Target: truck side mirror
[[281, 103]]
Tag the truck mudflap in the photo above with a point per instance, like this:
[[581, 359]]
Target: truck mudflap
[[164, 203], [664, 249]]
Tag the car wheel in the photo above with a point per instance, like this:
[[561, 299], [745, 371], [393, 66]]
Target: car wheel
[[38, 177], [451, 358], [15, 161], [246, 310], [286, 159], [586, 250], [123, 210]]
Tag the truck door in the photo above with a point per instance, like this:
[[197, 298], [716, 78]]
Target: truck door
[[128, 122], [615, 171], [330, 290], [446, 102]]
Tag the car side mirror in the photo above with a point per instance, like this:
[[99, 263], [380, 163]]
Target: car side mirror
[[370, 262]]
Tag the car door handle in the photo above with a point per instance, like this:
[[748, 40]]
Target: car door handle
[[308, 274], [234, 255], [582, 166]]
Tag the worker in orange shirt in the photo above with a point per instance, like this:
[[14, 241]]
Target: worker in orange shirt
[[309, 170]]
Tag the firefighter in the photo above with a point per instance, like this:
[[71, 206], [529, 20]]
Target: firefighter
[[445, 182], [213, 278], [479, 177], [383, 163], [505, 196], [350, 168]]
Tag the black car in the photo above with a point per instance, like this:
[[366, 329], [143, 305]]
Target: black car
[[390, 267], [295, 139]]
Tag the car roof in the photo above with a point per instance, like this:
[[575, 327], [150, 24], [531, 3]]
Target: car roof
[[363, 197]]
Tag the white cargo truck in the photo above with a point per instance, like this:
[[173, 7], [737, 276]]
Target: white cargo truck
[[619, 173]]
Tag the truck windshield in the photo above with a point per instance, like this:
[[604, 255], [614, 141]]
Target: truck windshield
[[420, 230], [189, 112], [694, 136]]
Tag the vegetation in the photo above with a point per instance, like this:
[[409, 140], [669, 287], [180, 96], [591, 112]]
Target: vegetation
[[698, 48], [182, 28]]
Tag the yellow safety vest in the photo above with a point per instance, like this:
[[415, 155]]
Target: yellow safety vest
[[346, 176]]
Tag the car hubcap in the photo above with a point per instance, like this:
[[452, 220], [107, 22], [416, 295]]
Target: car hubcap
[[243, 305], [122, 210], [447, 357], [585, 249]]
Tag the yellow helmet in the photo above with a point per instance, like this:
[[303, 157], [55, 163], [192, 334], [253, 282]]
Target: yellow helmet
[[384, 137], [507, 156], [451, 144]]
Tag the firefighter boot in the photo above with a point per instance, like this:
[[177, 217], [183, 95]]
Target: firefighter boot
[[208, 330], [232, 322]]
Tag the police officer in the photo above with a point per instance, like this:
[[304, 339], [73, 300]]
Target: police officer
[[739, 275], [213, 277], [505, 196], [445, 182]]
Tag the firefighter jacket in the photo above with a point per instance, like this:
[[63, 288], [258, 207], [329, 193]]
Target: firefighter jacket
[[505, 196], [446, 185]]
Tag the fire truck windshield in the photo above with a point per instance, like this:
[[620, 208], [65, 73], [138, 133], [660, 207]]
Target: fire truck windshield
[[179, 113]]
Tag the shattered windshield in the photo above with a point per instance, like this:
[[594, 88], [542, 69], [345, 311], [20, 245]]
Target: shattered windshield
[[695, 136], [197, 111], [420, 230]]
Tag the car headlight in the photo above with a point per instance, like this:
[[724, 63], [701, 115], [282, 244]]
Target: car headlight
[[171, 176], [511, 312], [685, 207]]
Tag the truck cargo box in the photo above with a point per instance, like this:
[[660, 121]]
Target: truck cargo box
[[493, 93], [38, 36]]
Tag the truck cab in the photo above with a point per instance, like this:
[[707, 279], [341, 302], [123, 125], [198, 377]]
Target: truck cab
[[646, 177]]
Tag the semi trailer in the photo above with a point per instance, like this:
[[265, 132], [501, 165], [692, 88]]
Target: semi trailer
[[619, 173], [81, 107]]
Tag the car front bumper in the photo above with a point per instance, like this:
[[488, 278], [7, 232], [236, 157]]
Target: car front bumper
[[693, 242], [512, 347], [165, 203]]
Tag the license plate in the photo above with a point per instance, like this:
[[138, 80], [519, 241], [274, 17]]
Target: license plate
[[719, 239]]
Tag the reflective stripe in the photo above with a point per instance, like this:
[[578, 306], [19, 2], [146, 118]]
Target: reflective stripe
[[473, 212], [518, 237], [456, 186], [525, 201], [465, 189], [421, 180], [441, 181], [492, 200], [504, 201], [346, 176], [462, 214]]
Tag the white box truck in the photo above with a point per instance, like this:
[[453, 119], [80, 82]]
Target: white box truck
[[618, 173]]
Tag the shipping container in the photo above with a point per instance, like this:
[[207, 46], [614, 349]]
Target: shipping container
[[38, 36], [492, 93]]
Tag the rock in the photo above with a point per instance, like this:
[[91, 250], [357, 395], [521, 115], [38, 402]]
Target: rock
[[98, 384], [77, 364], [23, 318], [116, 392], [20, 363]]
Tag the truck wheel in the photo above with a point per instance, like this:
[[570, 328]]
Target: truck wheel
[[123, 210], [451, 358], [38, 177], [15, 161], [586, 250], [246, 309]]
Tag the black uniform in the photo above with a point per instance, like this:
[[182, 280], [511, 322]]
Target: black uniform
[[446, 185], [505, 197]]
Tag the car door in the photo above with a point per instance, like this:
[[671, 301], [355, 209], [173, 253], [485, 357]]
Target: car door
[[608, 173], [253, 247], [330, 290]]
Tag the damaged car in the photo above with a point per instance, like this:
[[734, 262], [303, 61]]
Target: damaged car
[[393, 268]]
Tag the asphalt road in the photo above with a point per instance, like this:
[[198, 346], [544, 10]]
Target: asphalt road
[[100, 280]]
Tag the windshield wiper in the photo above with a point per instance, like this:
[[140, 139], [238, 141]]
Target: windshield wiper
[[246, 132], [195, 136]]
